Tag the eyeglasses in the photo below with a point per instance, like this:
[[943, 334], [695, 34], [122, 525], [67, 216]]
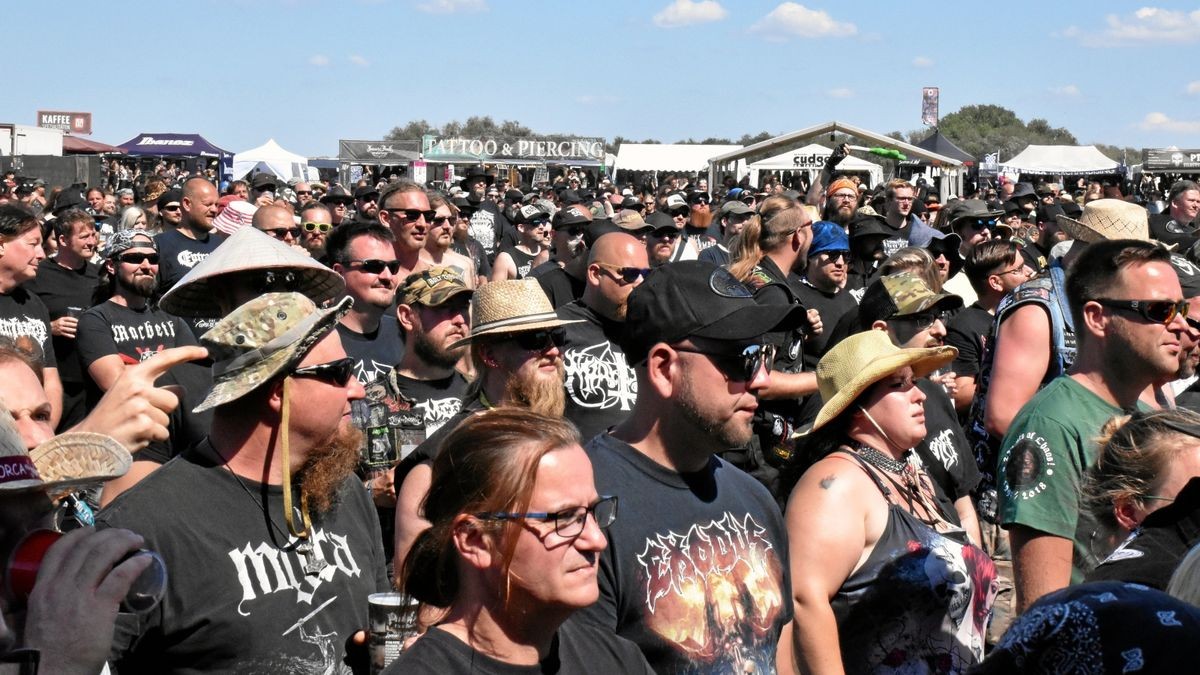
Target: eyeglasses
[[1022, 270], [699, 202], [903, 199], [679, 213], [978, 223], [440, 220], [301, 193], [336, 372], [375, 266], [139, 258], [739, 366], [923, 320], [323, 228], [540, 222], [665, 233], [844, 195], [415, 214], [1154, 311], [540, 340], [833, 256], [568, 522], [171, 207], [283, 232], [1193, 323], [627, 275]]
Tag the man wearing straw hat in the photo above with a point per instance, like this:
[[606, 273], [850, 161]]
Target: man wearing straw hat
[[294, 548]]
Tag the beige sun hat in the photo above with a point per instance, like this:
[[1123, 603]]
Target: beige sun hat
[[69, 461], [861, 360], [250, 250], [513, 306], [1107, 219]]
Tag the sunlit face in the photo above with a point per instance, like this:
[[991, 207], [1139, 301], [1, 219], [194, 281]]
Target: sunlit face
[[373, 289], [1148, 343], [410, 233], [898, 407], [20, 257], [325, 404], [82, 241], [26, 399]]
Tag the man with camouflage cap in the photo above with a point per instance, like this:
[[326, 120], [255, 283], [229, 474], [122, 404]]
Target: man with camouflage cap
[[295, 582]]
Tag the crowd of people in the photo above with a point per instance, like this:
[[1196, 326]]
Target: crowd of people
[[589, 427]]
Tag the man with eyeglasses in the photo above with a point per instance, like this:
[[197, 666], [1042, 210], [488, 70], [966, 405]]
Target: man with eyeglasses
[[268, 534], [316, 222], [663, 237], [907, 229], [841, 202], [169, 210], [364, 254], [366, 203], [972, 223], [516, 261], [1126, 304], [823, 286], [702, 555], [404, 209], [304, 194], [691, 240], [279, 223], [563, 276], [338, 201]]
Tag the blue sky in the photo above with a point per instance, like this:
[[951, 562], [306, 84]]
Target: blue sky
[[308, 72]]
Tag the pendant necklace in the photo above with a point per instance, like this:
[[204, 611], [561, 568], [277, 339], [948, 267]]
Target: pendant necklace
[[312, 564]]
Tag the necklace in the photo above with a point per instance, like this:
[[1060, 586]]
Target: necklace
[[880, 460], [312, 564]]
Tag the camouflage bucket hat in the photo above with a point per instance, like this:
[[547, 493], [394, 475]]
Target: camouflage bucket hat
[[432, 287], [261, 339], [902, 294]]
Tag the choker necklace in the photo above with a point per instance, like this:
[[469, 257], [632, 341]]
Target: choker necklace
[[881, 460]]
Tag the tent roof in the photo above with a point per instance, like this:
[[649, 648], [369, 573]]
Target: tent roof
[[773, 146], [667, 157], [937, 142], [179, 145], [269, 150], [82, 146], [1064, 160], [784, 160]]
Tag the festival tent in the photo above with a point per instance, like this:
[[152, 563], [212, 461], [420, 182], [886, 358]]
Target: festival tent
[[1060, 160], [74, 145], [271, 158], [667, 157], [938, 143], [171, 145], [811, 158]]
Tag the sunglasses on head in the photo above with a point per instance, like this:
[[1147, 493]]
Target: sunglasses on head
[[540, 340], [415, 214], [323, 228], [737, 365], [375, 266], [1154, 311], [283, 232], [627, 275], [335, 372], [139, 258]]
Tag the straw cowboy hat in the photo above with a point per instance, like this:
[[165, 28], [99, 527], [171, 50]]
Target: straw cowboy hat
[[1107, 219], [507, 307], [250, 250], [64, 463], [861, 360]]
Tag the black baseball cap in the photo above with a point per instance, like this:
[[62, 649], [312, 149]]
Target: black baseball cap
[[571, 215], [568, 197], [696, 298], [865, 224], [263, 180], [365, 191], [168, 197]]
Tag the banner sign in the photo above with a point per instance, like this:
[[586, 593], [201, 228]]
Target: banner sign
[[71, 122], [929, 106], [1170, 160], [377, 152], [508, 148]]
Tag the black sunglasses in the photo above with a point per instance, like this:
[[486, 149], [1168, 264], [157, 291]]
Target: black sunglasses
[[679, 213], [175, 207], [739, 366], [440, 220], [627, 275], [665, 233], [303, 192], [139, 258], [375, 266], [1155, 311], [281, 232], [336, 372], [415, 214], [540, 340]]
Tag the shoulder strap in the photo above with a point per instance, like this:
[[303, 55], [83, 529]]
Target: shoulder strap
[[867, 469]]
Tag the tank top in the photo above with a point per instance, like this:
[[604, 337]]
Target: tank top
[[919, 603], [522, 260]]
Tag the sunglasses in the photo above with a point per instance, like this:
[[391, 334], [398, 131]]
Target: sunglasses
[[441, 220], [980, 223], [627, 275], [323, 228], [375, 266], [833, 256], [171, 207], [740, 366], [415, 214], [679, 213], [335, 372], [541, 222], [540, 340], [922, 321], [1154, 311], [283, 232], [699, 202], [665, 233], [303, 192], [139, 258]]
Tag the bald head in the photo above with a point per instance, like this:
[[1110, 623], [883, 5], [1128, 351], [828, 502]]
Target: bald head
[[199, 204], [277, 222], [618, 248], [614, 259]]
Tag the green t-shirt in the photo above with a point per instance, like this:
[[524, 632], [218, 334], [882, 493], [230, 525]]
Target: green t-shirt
[[1043, 459]]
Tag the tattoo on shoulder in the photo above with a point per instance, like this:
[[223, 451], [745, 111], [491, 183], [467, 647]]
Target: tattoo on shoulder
[[827, 481]]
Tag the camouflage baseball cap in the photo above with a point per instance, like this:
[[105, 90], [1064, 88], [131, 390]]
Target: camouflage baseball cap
[[126, 239], [262, 338], [901, 294], [432, 287]]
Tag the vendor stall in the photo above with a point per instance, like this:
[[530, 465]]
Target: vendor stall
[[193, 150], [810, 159], [1060, 160]]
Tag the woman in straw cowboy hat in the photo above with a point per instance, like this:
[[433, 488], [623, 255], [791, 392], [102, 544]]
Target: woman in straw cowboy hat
[[882, 574]]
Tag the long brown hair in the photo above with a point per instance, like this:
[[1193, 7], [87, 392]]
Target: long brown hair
[[777, 219]]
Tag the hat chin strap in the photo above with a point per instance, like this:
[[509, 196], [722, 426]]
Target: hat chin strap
[[287, 472], [864, 411]]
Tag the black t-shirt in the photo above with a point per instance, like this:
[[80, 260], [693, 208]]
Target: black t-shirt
[[1169, 231], [473, 250], [945, 451], [428, 449], [491, 229], [239, 599], [64, 291], [576, 649], [716, 254], [1150, 554], [832, 307], [969, 332], [601, 386], [25, 321], [374, 354], [522, 260], [1037, 259], [177, 256], [696, 569], [559, 286]]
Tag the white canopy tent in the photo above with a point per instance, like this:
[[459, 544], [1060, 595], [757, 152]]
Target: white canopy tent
[[668, 157], [811, 158], [272, 158], [1060, 160]]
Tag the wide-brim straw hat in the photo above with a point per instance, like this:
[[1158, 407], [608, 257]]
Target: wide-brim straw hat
[[249, 249], [861, 360], [1104, 219], [70, 461], [507, 307]]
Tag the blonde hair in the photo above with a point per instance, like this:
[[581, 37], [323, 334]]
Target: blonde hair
[[1185, 581], [915, 261], [777, 219]]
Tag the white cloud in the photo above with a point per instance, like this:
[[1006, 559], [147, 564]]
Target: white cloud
[[318, 60], [1193, 87], [1157, 121], [840, 92], [922, 62], [1065, 90], [1146, 25], [790, 20], [359, 60], [452, 6], [687, 12]]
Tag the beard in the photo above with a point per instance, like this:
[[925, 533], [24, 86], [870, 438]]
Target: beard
[[700, 219], [729, 433], [140, 285], [539, 392], [433, 354], [327, 466]]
